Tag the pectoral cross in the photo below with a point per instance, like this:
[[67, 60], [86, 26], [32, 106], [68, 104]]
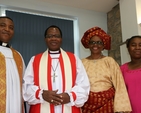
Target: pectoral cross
[[54, 69], [54, 75]]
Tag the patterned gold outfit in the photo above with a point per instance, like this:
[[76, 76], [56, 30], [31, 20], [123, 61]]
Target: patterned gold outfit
[[104, 74]]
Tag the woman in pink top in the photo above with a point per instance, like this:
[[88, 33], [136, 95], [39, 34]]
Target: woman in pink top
[[132, 73]]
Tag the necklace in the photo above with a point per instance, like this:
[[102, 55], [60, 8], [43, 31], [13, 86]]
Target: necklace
[[54, 70], [95, 60]]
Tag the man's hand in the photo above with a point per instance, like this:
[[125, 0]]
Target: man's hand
[[51, 97], [54, 98], [65, 98]]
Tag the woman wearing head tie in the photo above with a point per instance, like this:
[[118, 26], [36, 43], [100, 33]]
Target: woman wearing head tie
[[108, 92]]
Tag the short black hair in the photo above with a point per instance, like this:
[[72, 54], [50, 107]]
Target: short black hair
[[129, 39], [53, 26], [6, 17]]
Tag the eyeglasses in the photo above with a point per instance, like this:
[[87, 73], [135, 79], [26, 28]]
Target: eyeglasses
[[55, 36], [95, 42]]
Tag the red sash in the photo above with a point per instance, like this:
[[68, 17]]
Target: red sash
[[100, 102]]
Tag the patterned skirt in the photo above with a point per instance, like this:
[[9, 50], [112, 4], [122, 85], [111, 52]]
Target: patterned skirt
[[100, 102]]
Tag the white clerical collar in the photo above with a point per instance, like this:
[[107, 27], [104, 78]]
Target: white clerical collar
[[4, 44], [54, 52]]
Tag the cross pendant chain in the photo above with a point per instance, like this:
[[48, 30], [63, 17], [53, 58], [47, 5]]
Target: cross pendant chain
[[54, 70], [54, 75]]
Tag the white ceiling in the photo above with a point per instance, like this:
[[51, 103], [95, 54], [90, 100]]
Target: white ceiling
[[96, 5]]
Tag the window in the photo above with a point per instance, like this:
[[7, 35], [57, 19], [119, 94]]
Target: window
[[29, 33]]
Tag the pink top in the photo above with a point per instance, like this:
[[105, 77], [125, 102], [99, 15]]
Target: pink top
[[133, 83]]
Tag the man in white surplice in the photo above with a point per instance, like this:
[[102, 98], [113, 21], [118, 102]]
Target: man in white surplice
[[11, 70], [55, 81]]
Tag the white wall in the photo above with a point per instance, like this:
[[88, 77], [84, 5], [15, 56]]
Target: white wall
[[138, 8], [86, 19], [129, 23]]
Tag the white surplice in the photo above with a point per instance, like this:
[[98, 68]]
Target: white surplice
[[81, 87], [13, 89]]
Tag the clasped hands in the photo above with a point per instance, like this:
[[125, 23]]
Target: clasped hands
[[54, 98]]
